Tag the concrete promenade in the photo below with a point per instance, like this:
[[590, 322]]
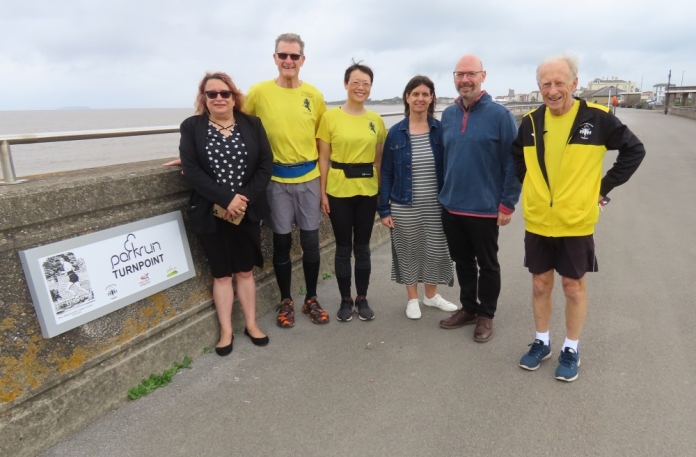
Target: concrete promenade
[[397, 387]]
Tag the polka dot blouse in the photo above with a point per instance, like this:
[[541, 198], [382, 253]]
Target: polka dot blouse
[[227, 157]]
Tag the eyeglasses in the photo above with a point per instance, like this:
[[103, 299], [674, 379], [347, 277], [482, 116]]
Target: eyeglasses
[[356, 84], [466, 74], [285, 55], [213, 94]]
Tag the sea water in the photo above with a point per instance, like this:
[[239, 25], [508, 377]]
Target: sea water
[[40, 158]]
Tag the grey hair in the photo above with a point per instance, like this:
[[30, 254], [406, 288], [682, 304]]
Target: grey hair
[[290, 38], [570, 59]]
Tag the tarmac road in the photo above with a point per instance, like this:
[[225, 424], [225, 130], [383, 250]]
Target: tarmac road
[[397, 387]]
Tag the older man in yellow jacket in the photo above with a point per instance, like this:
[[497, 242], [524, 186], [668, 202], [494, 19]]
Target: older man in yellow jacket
[[558, 154]]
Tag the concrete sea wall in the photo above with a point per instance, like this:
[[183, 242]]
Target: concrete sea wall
[[50, 388], [683, 111]]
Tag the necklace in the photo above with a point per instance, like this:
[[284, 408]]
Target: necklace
[[229, 128]]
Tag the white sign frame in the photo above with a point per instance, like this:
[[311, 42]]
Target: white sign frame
[[47, 267]]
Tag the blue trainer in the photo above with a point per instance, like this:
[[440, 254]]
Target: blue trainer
[[538, 351], [568, 363]]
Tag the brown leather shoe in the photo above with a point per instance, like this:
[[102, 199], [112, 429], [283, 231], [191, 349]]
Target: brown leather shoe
[[484, 329], [459, 318]]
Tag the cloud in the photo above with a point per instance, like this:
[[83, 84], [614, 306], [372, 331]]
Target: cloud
[[143, 53]]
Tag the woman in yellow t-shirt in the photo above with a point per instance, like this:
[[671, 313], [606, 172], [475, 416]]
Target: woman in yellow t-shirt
[[350, 151]]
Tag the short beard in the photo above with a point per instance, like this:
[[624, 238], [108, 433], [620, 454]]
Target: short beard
[[471, 97]]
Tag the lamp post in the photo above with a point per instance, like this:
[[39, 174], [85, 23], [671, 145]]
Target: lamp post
[[669, 78], [682, 81]]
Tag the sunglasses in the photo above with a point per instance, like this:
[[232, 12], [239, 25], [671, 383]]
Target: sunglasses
[[284, 55], [212, 94]]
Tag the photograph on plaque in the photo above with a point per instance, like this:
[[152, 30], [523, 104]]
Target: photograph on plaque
[[67, 280]]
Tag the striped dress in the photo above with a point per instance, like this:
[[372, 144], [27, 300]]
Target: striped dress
[[419, 246]]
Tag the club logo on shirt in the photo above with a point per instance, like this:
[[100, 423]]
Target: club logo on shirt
[[372, 127], [307, 105], [585, 130]]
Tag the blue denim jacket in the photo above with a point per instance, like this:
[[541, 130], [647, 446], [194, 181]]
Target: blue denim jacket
[[396, 169]]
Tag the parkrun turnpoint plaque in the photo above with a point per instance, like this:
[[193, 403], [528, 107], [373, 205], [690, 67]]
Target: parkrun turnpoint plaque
[[75, 281]]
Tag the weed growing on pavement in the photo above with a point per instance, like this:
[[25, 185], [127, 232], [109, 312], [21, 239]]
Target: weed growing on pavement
[[303, 290], [207, 350], [326, 276], [155, 381]]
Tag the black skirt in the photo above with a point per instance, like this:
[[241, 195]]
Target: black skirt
[[232, 248]]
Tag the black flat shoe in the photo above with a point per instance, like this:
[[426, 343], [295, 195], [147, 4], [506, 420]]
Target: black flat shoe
[[225, 350], [257, 341]]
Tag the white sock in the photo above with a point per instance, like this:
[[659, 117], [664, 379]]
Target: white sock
[[573, 344], [543, 337]]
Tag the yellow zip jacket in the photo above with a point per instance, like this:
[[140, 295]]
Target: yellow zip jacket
[[572, 209]]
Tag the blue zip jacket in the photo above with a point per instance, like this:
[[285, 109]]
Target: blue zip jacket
[[396, 171], [479, 173]]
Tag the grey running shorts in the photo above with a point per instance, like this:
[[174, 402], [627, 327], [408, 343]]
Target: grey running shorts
[[294, 203]]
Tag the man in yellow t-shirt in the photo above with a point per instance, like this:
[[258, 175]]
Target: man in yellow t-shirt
[[290, 110]]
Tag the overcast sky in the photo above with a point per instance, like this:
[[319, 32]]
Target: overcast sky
[[151, 54]]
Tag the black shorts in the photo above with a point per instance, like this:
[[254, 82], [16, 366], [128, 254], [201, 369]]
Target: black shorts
[[570, 256], [232, 248]]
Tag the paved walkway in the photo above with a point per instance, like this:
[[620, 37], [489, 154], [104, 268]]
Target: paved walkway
[[396, 387]]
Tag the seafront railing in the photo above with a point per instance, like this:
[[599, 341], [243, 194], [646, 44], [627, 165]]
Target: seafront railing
[[8, 171], [10, 176]]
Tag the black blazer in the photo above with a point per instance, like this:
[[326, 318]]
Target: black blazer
[[200, 176]]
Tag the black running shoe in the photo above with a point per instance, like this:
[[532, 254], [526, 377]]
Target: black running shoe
[[345, 312], [365, 313]]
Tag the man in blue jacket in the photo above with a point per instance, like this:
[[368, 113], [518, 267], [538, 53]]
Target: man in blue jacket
[[479, 194]]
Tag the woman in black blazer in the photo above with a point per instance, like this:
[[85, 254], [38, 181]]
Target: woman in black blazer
[[227, 160]]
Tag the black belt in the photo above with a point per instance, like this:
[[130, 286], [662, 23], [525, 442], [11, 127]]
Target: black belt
[[355, 170], [349, 166]]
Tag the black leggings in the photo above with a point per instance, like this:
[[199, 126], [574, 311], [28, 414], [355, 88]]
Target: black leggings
[[352, 219]]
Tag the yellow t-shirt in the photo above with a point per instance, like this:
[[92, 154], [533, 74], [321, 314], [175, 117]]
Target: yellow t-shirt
[[291, 118], [555, 140], [353, 139]]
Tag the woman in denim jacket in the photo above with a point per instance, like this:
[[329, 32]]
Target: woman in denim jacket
[[411, 178]]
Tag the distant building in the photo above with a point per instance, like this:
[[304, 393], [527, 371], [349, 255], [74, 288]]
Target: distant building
[[601, 96], [586, 94], [504, 99], [647, 95], [630, 98], [445, 100], [601, 83], [659, 91], [512, 97]]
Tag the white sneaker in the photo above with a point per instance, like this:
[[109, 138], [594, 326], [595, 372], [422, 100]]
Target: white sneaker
[[438, 302], [413, 309]]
